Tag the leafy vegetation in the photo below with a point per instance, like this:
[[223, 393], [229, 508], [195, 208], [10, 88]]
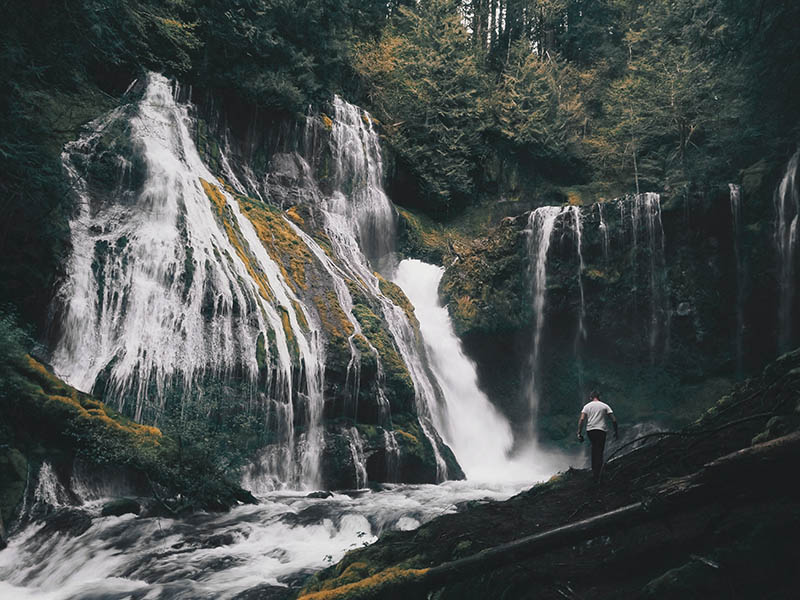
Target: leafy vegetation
[[478, 99], [186, 464], [488, 97]]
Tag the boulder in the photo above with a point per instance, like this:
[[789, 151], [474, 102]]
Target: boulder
[[121, 506], [70, 521]]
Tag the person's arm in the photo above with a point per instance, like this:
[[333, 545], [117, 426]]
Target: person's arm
[[580, 425], [616, 427]]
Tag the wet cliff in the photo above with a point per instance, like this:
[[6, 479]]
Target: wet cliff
[[658, 301]]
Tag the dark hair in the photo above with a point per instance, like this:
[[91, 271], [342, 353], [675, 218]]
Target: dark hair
[[594, 394]]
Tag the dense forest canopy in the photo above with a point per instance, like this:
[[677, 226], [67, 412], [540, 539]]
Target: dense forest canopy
[[478, 99]]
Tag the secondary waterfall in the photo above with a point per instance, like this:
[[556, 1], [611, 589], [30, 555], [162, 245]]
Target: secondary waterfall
[[186, 289], [478, 434], [540, 223], [637, 231], [787, 212], [646, 209]]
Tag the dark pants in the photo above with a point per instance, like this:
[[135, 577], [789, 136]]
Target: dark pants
[[598, 439]]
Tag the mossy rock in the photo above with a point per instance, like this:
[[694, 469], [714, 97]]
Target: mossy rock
[[121, 506], [13, 479], [421, 238], [399, 386]]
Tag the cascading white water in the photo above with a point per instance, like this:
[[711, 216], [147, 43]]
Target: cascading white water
[[49, 490], [359, 215], [787, 213], [358, 176], [603, 229], [357, 454], [182, 264], [257, 548], [736, 217], [540, 224], [480, 437], [160, 289], [577, 228]]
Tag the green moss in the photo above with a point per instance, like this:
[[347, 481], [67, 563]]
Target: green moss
[[395, 294], [400, 388], [419, 237]]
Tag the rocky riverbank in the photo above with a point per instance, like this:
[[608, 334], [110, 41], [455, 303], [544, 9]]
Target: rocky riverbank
[[735, 542]]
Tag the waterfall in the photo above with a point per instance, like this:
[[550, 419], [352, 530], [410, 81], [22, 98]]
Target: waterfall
[[468, 422], [638, 231], [357, 456], [577, 228], [787, 212], [173, 286], [359, 167], [359, 215], [49, 491], [603, 229], [540, 223], [736, 216], [646, 211], [183, 291]]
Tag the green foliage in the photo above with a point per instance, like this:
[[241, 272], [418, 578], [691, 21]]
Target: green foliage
[[657, 95], [538, 109], [189, 466], [429, 90]]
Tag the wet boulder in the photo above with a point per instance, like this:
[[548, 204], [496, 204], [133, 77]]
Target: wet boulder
[[70, 521], [121, 506]]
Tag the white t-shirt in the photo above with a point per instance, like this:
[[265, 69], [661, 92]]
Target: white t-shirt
[[596, 412]]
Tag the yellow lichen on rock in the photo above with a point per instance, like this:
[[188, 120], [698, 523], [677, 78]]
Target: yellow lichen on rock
[[410, 438], [217, 199], [280, 240], [301, 316], [366, 588], [295, 216], [52, 392], [395, 294], [466, 309], [334, 320], [291, 340]]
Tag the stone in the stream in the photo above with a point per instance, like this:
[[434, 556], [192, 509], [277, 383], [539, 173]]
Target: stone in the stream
[[71, 521], [320, 494], [121, 506]]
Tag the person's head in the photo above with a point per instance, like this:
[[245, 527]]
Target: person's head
[[594, 395]]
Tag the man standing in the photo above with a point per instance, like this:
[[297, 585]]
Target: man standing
[[594, 414]]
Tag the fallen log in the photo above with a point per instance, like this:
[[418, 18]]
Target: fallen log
[[756, 471]]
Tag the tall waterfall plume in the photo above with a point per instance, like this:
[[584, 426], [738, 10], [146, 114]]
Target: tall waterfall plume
[[185, 285], [787, 213]]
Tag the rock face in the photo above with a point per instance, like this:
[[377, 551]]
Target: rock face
[[257, 252], [659, 302]]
